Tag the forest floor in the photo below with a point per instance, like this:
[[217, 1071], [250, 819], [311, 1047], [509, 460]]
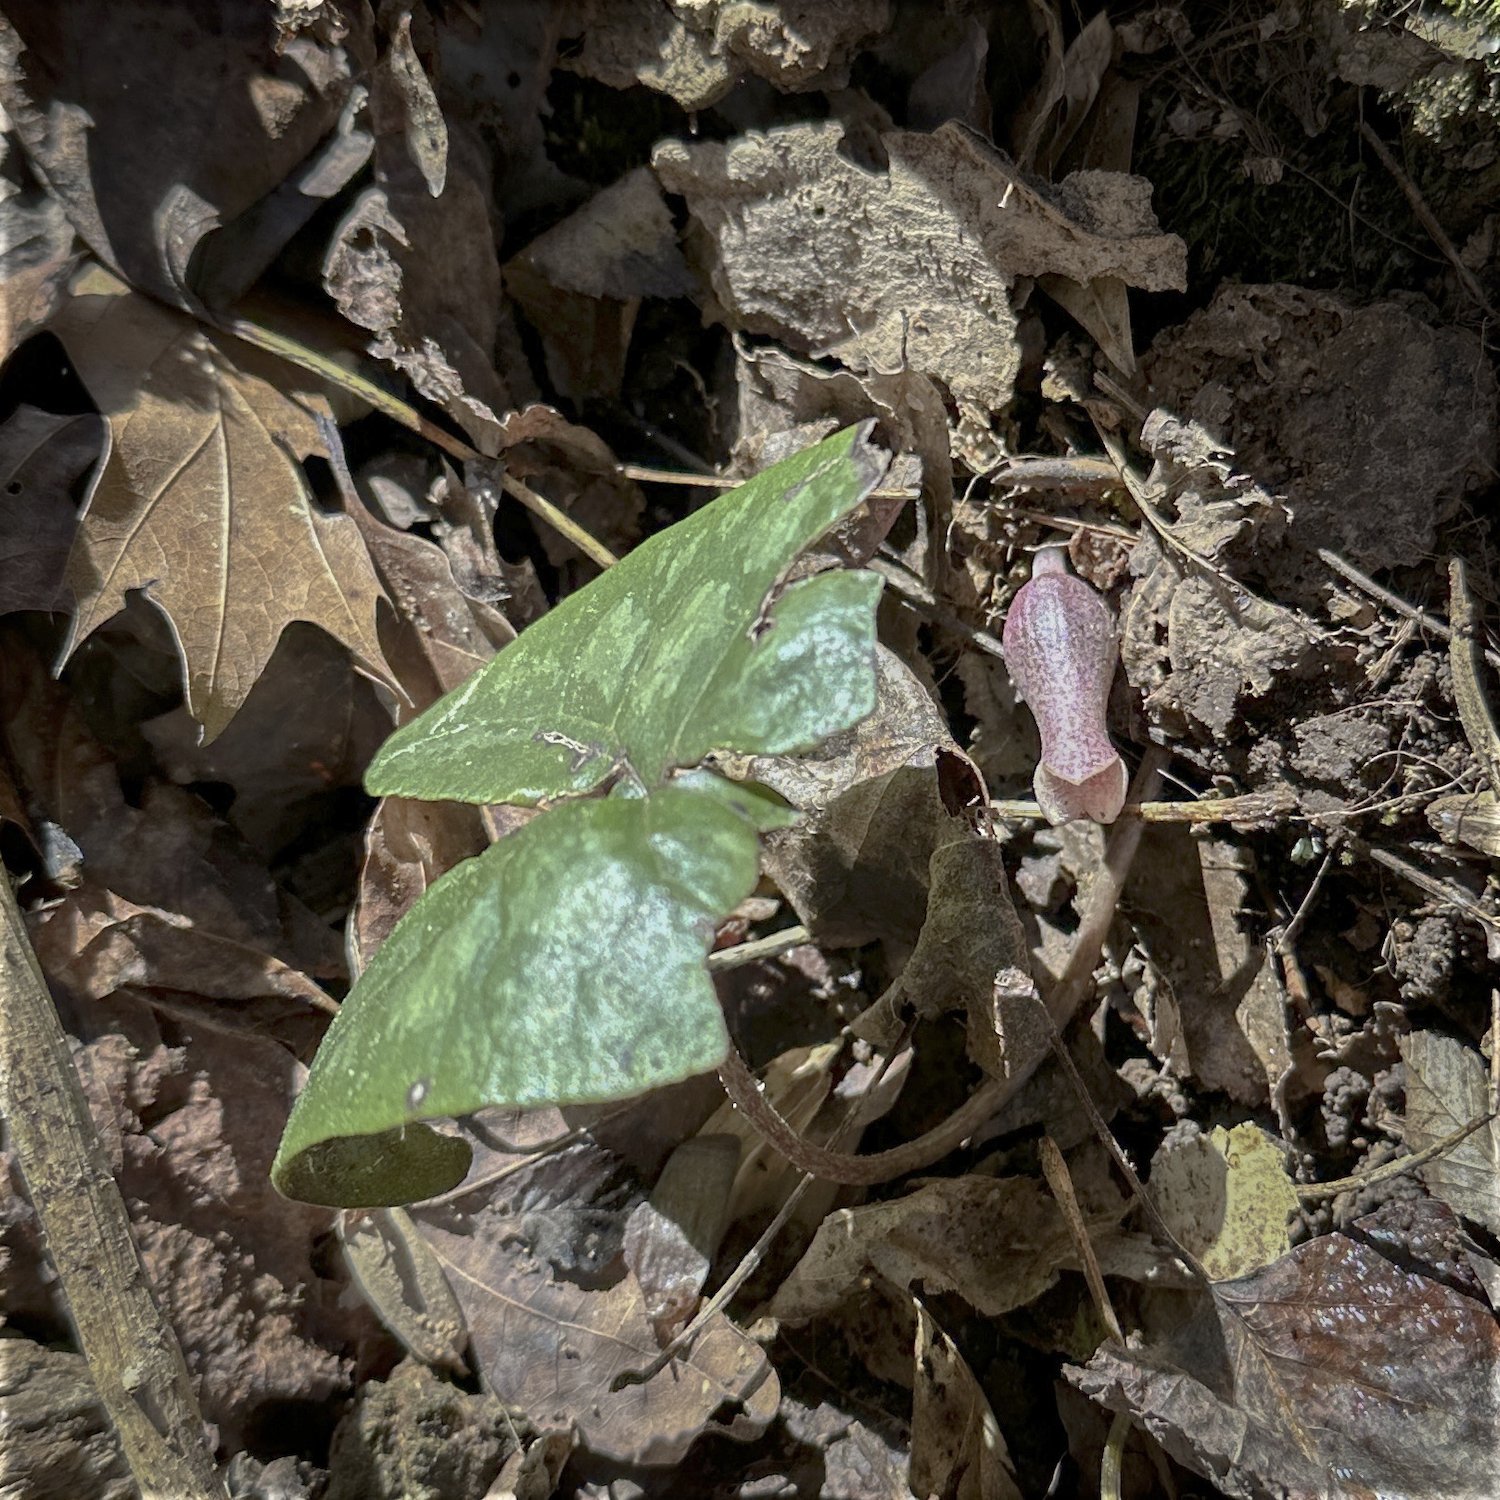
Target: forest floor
[[1205, 294]]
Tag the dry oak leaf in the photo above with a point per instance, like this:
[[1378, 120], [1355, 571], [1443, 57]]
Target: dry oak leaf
[[202, 504], [553, 1348]]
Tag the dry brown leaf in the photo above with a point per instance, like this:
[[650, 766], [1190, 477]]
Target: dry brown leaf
[[155, 125], [957, 1449], [439, 636], [972, 955], [1212, 1007], [1332, 1371], [408, 844], [399, 1276], [552, 1346], [855, 867], [1448, 1087], [202, 503], [163, 893], [912, 265], [304, 735], [998, 1242], [422, 275], [42, 456]]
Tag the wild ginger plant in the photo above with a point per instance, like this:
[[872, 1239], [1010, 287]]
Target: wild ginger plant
[[565, 964]]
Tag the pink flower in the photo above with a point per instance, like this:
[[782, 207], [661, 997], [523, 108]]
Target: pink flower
[[1061, 648]]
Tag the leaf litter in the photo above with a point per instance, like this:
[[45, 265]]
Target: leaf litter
[[612, 241]]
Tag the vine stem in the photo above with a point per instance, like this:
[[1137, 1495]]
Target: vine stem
[[854, 1170]]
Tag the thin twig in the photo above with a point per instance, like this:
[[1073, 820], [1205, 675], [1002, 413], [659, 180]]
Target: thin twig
[[1428, 220], [1467, 663], [132, 1353], [1293, 929], [1394, 602], [755, 949], [645, 474], [1311, 1192], [1275, 805], [1060, 1180], [374, 395]]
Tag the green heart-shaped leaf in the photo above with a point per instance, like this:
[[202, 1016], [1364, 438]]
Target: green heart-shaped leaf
[[681, 648], [563, 965]]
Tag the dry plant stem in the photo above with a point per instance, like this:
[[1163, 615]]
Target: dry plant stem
[[753, 1256], [1392, 601], [644, 474], [1273, 806], [1311, 1192], [1112, 1460], [374, 395], [1467, 662], [920, 597], [842, 1166], [132, 1353], [1293, 929], [1055, 1170], [991, 1097], [1428, 221], [755, 949]]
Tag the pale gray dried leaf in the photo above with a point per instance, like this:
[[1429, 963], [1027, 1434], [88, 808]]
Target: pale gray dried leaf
[[626, 42], [672, 1238], [786, 403], [105, 100], [834, 257], [997, 1242], [1221, 648], [426, 131], [794, 44], [395, 1269], [620, 243], [37, 256], [1447, 1087]]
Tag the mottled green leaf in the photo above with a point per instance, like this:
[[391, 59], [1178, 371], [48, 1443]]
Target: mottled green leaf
[[684, 647], [562, 966]]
